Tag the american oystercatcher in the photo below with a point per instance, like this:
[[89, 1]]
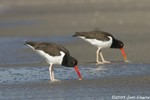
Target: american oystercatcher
[[54, 54], [101, 40]]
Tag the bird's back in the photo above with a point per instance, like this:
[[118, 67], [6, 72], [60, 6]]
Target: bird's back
[[99, 35], [52, 49]]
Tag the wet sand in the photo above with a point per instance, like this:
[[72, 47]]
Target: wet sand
[[24, 74], [100, 82], [76, 90]]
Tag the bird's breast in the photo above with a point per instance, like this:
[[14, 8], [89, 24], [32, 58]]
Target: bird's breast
[[99, 43], [52, 59]]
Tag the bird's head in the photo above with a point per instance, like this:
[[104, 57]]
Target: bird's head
[[117, 44], [69, 61]]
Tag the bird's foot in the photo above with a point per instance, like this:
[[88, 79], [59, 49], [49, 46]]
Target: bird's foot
[[103, 62], [54, 80], [106, 61], [98, 62]]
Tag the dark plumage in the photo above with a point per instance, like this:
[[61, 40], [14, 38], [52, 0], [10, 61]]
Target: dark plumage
[[99, 35], [52, 49]]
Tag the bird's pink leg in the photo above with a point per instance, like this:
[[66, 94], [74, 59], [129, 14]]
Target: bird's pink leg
[[50, 72], [103, 60], [97, 56]]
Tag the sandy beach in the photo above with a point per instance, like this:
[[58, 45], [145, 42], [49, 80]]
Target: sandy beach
[[24, 74]]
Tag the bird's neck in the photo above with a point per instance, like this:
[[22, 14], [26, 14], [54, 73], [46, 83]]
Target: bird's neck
[[114, 43], [65, 60]]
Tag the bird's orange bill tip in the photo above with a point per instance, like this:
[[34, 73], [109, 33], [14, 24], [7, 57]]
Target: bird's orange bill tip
[[78, 72], [124, 54]]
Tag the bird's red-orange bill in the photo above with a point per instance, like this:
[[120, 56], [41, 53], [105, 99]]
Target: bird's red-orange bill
[[78, 72], [123, 53]]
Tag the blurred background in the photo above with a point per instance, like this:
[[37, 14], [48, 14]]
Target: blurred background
[[24, 74], [127, 20]]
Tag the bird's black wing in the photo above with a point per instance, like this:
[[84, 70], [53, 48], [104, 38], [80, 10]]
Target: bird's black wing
[[50, 48], [99, 35]]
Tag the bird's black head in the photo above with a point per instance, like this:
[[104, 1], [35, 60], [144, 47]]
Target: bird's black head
[[117, 44], [69, 61]]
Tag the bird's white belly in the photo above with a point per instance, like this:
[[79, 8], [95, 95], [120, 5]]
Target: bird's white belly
[[99, 43], [52, 59]]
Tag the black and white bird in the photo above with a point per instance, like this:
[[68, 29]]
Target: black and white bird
[[101, 40], [54, 54]]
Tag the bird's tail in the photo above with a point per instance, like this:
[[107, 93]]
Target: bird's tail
[[29, 43], [25, 42], [77, 34]]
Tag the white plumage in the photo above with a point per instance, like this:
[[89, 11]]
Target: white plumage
[[50, 59], [99, 43]]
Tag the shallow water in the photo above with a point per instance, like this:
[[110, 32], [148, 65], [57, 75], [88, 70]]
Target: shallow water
[[24, 75], [100, 82], [89, 72]]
